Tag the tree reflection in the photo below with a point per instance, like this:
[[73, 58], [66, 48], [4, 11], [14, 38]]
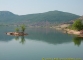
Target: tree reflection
[[22, 39], [17, 38], [77, 40]]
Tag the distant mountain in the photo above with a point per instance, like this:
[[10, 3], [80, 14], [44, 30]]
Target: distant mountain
[[49, 17], [6, 13], [6, 16]]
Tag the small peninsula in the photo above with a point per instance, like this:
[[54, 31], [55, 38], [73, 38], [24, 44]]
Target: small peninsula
[[73, 27]]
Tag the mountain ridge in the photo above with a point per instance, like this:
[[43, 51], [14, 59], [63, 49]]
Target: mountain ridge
[[50, 16]]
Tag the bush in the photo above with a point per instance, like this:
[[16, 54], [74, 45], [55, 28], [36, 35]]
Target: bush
[[77, 25], [17, 29]]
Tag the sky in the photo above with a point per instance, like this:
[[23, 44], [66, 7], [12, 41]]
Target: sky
[[22, 7]]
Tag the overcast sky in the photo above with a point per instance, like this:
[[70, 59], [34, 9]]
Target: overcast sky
[[22, 7]]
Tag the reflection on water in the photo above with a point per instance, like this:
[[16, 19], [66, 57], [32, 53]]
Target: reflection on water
[[77, 40], [18, 37], [21, 38], [39, 34]]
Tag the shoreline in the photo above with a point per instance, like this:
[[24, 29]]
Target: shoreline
[[64, 29]]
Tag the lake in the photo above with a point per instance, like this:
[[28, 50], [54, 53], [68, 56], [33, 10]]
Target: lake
[[39, 44]]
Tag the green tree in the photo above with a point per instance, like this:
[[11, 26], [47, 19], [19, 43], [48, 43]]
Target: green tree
[[77, 25], [17, 29], [23, 27]]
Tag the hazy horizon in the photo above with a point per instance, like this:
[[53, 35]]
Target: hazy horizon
[[40, 6]]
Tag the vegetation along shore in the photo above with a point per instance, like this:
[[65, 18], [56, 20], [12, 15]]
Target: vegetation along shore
[[75, 27]]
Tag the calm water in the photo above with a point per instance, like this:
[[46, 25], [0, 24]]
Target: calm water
[[40, 43]]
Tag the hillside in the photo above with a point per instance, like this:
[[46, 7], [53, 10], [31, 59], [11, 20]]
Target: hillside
[[49, 17], [6, 16]]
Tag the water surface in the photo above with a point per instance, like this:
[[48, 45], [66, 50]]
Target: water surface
[[40, 43]]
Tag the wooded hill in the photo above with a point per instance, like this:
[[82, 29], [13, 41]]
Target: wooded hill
[[50, 17]]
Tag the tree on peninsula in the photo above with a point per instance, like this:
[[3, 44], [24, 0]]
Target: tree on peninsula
[[77, 25]]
